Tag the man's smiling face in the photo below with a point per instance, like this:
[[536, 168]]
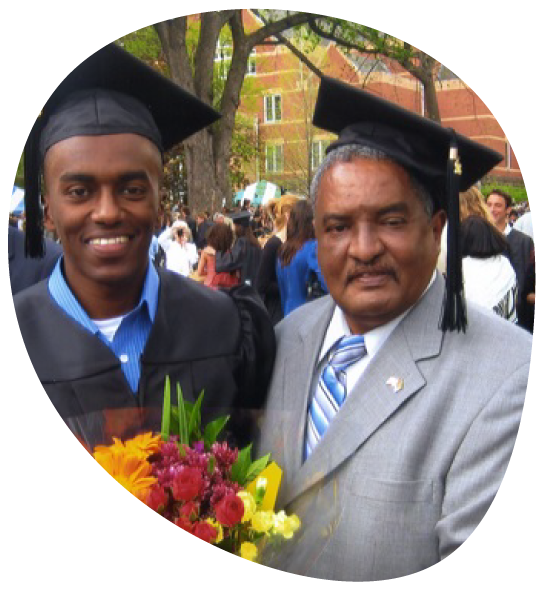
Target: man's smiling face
[[102, 197]]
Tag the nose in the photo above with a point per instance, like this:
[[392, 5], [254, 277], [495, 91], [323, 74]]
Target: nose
[[365, 245], [106, 209]]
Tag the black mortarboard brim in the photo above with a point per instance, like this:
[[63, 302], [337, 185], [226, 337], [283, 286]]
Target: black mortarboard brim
[[110, 92], [441, 159], [241, 218]]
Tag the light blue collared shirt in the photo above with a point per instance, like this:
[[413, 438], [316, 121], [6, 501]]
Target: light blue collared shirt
[[134, 329]]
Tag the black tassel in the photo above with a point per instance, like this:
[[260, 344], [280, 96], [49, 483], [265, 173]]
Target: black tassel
[[34, 242], [454, 314]]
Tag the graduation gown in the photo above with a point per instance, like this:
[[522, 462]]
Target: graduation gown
[[244, 256], [203, 339]]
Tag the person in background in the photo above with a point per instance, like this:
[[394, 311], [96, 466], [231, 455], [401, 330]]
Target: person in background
[[181, 255], [267, 285], [24, 272], [521, 248], [525, 224], [246, 254], [219, 239], [488, 277], [189, 220], [297, 258], [203, 224]]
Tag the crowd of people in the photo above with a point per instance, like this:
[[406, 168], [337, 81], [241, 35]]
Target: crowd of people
[[271, 247]]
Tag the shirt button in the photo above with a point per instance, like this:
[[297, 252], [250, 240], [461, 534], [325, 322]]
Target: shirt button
[[124, 358]]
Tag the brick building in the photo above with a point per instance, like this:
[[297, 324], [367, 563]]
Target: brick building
[[280, 101]]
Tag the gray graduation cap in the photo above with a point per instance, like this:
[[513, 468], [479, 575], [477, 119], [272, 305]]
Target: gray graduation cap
[[241, 218], [111, 92], [441, 159]]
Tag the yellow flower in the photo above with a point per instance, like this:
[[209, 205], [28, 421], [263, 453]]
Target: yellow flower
[[262, 521], [285, 525], [248, 551], [130, 471], [250, 505]]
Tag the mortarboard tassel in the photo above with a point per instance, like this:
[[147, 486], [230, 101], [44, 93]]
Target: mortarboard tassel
[[454, 315], [34, 242]]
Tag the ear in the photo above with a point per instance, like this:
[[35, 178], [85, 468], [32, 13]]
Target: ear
[[437, 222], [48, 221]]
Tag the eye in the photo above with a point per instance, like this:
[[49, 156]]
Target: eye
[[134, 191], [78, 191], [394, 221]]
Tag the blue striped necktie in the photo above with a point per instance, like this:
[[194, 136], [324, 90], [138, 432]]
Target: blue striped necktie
[[331, 390]]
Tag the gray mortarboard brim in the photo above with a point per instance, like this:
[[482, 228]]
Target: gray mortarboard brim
[[111, 92], [441, 159]]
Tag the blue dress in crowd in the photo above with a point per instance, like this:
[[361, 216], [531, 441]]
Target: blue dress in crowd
[[293, 279]]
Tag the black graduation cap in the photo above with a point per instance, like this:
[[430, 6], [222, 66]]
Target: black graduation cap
[[110, 92], [241, 218], [441, 159]]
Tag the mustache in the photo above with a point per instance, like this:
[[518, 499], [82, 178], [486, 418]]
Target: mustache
[[360, 270]]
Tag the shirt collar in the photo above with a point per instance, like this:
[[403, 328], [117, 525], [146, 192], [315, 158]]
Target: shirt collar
[[62, 294], [507, 229], [374, 339]]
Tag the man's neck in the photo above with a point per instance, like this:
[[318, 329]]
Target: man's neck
[[501, 226]]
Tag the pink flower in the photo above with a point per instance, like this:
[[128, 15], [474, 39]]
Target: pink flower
[[189, 511]]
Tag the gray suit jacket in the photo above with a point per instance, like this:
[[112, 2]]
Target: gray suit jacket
[[400, 479]]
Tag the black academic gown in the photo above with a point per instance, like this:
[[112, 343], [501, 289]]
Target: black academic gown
[[521, 247], [244, 256], [205, 340]]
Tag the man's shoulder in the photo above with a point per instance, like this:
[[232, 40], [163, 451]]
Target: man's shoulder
[[309, 313], [491, 336], [521, 239]]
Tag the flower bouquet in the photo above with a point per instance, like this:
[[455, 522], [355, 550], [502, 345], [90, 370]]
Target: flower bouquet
[[204, 486]]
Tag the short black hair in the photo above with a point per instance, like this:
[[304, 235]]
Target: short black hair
[[508, 199]]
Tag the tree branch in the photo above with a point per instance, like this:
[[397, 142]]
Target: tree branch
[[299, 54]]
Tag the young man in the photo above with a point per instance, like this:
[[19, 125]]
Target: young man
[[106, 329], [390, 409], [521, 251]]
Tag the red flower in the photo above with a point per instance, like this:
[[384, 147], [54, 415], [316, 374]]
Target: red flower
[[229, 510], [189, 511], [187, 485], [185, 524], [205, 531], [157, 498]]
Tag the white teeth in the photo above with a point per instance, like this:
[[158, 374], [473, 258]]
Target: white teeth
[[108, 241]]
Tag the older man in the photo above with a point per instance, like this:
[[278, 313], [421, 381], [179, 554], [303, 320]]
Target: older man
[[390, 409]]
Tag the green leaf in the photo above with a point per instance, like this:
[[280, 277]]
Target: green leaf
[[183, 426], [256, 467], [166, 411], [212, 430], [195, 419], [211, 464], [240, 467]]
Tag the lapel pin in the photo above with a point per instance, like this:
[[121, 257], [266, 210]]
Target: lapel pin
[[397, 384]]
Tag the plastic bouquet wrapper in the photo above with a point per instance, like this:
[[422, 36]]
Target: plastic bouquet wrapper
[[183, 471]]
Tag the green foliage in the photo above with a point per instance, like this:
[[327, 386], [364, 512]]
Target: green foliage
[[144, 44], [517, 192]]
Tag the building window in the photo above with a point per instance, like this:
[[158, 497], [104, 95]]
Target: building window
[[272, 108], [251, 65], [318, 152], [274, 157]]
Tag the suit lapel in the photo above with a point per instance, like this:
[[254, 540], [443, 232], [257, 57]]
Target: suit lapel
[[373, 401]]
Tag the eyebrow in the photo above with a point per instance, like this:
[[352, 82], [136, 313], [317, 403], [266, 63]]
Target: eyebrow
[[87, 178], [399, 207]]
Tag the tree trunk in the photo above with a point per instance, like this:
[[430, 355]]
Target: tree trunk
[[200, 167]]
